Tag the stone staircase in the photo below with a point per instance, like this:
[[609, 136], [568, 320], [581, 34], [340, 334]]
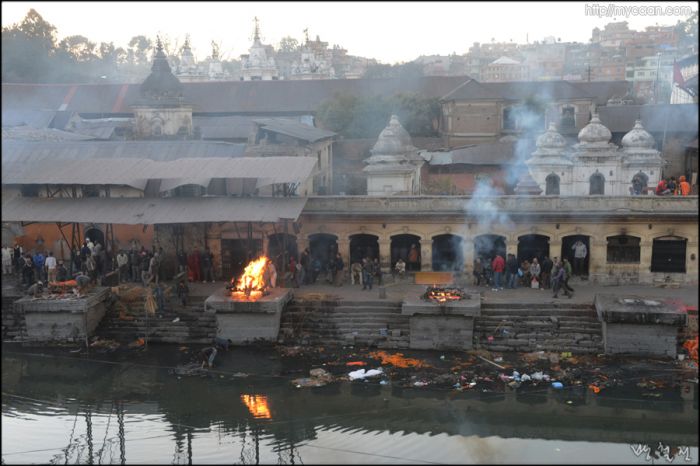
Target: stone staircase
[[369, 323], [14, 326], [194, 325], [538, 327]]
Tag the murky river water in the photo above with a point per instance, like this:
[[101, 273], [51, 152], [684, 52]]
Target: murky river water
[[63, 408]]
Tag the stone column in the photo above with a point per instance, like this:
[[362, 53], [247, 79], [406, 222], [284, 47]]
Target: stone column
[[645, 249], [344, 250], [555, 248], [385, 254], [597, 258], [302, 242], [426, 254], [468, 254], [512, 246]]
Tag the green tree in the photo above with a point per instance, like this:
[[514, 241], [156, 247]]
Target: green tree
[[28, 49], [288, 45], [366, 117], [400, 70]]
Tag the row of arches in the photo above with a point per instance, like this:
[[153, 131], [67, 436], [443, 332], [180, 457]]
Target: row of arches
[[668, 253], [596, 183]]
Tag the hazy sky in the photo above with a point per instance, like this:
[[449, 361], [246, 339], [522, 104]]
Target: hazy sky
[[388, 31]]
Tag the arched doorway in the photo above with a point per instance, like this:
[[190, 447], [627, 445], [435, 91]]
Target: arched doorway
[[552, 184], [401, 247], [568, 250], [95, 235], [363, 245], [597, 184], [531, 246], [323, 246], [275, 249], [447, 253], [487, 246], [668, 254]]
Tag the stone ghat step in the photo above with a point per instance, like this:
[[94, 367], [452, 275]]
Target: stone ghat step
[[349, 303], [539, 312], [401, 342], [345, 317], [348, 309], [332, 312], [521, 305], [346, 328]]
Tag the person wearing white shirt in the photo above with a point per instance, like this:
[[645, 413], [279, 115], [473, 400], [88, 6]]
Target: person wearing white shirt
[[50, 265], [6, 260], [580, 253]]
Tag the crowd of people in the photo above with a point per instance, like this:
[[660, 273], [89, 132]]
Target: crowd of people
[[500, 273], [665, 187]]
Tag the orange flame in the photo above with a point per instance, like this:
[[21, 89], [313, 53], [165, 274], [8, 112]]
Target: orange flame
[[252, 283], [257, 405]]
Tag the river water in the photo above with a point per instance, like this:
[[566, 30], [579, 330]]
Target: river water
[[65, 408]]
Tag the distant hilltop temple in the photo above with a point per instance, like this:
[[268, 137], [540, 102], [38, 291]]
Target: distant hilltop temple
[[188, 70]]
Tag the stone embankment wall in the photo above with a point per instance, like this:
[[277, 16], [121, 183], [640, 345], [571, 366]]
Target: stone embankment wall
[[541, 327], [514, 327], [13, 323]]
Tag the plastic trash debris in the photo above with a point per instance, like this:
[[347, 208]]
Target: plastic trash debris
[[537, 376], [442, 357], [383, 382], [524, 378], [594, 388], [175, 320], [498, 359], [557, 385], [490, 338], [356, 363], [362, 374], [420, 384]]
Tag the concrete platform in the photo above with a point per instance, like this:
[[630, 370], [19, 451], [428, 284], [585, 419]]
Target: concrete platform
[[63, 319], [446, 326], [245, 322], [640, 325]]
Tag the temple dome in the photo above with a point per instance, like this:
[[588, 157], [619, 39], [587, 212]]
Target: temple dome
[[393, 140], [594, 132], [638, 138], [551, 139], [161, 84]]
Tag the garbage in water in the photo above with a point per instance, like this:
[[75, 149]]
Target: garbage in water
[[362, 374], [356, 363], [175, 320], [420, 384], [397, 359], [557, 385], [318, 378]]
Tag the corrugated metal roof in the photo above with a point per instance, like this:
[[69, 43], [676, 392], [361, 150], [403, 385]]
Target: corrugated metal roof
[[491, 153], [251, 97], [548, 90], [31, 134], [294, 129], [135, 172], [146, 211], [33, 118], [153, 150], [655, 118]]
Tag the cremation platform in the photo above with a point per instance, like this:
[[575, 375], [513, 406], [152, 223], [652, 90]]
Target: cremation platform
[[640, 325], [444, 326], [68, 318], [247, 321]]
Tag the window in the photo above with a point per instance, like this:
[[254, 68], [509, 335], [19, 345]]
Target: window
[[568, 117], [668, 254], [91, 190], [630, 74], [597, 184], [188, 190], [29, 190], [552, 182], [623, 249], [509, 119]]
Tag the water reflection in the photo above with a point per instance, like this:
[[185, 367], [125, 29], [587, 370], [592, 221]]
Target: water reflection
[[69, 409]]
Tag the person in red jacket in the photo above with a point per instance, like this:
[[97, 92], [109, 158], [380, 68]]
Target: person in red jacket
[[498, 264]]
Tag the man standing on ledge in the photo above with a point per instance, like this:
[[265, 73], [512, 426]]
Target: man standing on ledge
[[580, 253]]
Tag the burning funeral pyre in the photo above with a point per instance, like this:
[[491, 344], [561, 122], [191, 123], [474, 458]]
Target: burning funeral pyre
[[442, 295], [252, 285]]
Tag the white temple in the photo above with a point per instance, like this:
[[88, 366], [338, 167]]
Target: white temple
[[258, 64], [594, 166], [394, 165]]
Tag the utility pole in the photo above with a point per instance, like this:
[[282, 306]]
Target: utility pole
[[656, 78]]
